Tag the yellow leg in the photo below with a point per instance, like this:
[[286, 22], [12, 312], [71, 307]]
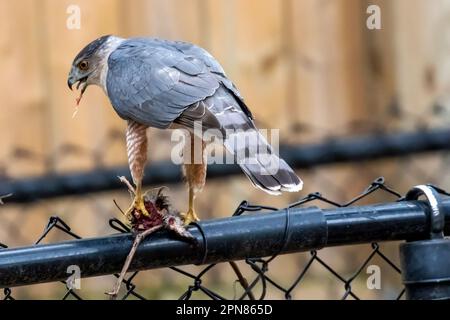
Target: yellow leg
[[137, 157], [195, 174], [191, 215], [138, 202]]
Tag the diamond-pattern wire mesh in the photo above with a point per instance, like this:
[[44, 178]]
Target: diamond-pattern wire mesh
[[406, 172], [259, 266]]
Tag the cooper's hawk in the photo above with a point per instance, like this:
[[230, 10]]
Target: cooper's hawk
[[163, 84]]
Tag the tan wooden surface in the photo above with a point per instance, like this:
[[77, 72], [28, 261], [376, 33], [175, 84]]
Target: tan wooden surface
[[296, 62], [307, 67]]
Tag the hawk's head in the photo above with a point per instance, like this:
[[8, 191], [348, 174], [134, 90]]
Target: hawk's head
[[88, 65]]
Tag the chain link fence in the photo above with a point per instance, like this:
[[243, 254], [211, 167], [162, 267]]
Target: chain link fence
[[257, 284], [260, 267], [331, 273]]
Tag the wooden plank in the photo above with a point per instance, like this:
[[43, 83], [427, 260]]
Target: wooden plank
[[329, 64], [380, 65], [23, 97], [169, 19], [245, 36], [422, 57], [60, 45]]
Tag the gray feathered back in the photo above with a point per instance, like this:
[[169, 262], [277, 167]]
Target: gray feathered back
[[153, 81]]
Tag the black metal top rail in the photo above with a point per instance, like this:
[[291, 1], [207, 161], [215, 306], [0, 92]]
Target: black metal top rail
[[345, 149], [239, 237]]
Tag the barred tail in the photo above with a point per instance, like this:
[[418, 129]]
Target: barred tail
[[261, 165]]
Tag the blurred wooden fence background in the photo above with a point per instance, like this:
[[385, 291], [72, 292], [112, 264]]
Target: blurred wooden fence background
[[295, 61]]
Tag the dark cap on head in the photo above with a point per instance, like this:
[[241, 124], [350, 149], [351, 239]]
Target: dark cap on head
[[92, 47]]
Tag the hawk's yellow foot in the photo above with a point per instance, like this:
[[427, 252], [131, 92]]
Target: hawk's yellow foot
[[190, 216], [138, 204]]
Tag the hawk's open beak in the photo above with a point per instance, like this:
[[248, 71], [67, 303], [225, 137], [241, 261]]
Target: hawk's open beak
[[71, 81], [81, 81]]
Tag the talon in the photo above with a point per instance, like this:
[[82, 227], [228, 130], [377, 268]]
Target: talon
[[138, 205], [189, 217]]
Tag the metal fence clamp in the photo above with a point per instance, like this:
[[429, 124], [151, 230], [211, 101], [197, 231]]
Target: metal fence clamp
[[426, 263]]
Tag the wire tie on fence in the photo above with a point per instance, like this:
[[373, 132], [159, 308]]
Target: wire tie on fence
[[205, 243], [286, 235], [245, 206], [437, 218], [241, 208]]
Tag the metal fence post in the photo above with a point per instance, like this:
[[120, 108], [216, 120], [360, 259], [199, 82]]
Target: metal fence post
[[426, 263]]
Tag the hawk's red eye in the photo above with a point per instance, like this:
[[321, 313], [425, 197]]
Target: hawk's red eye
[[83, 65]]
